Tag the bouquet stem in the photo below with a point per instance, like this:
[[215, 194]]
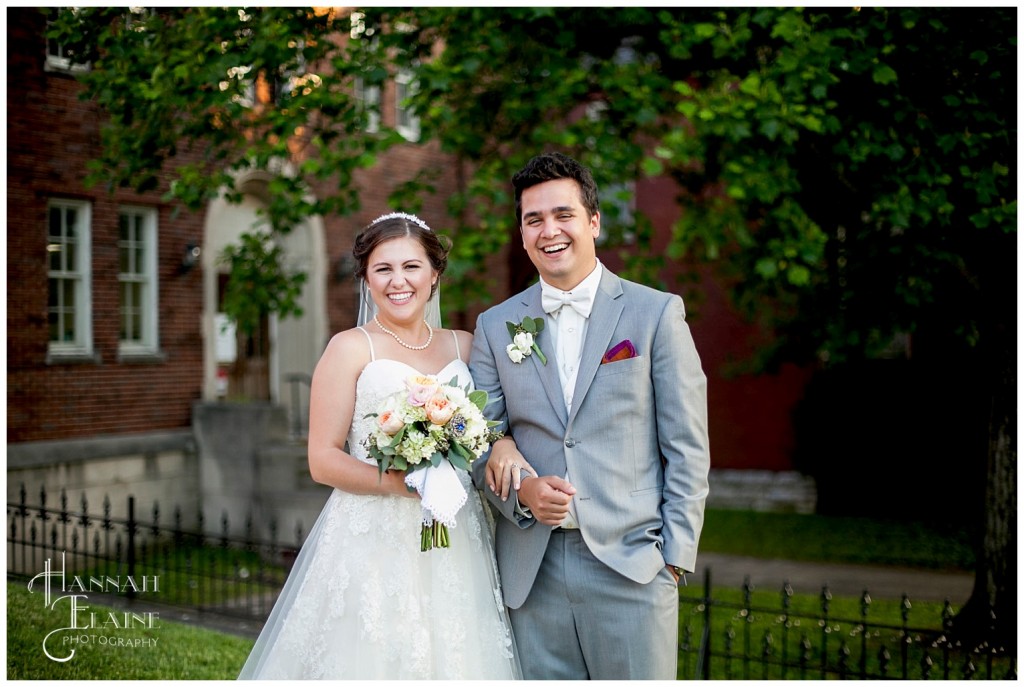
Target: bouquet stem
[[434, 536]]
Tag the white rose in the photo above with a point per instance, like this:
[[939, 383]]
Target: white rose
[[514, 354], [524, 340]]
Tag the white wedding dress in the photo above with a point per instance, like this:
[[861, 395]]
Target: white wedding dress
[[364, 602]]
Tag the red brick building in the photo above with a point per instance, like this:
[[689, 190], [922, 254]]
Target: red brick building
[[113, 331]]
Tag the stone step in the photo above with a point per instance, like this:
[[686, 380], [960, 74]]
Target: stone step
[[785, 491]]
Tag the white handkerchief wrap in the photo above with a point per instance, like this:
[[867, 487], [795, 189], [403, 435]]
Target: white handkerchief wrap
[[441, 492]]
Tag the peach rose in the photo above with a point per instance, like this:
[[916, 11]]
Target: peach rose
[[421, 389], [390, 422], [439, 409]]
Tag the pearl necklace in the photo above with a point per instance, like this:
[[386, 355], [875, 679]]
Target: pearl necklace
[[399, 340]]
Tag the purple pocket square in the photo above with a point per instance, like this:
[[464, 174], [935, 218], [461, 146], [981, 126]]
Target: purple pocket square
[[623, 350]]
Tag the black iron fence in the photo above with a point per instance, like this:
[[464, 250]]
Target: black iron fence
[[234, 576], [725, 634], [733, 635]]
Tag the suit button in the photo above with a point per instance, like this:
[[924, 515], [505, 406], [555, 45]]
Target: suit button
[[570, 443]]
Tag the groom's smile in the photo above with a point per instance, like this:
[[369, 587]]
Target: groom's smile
[[558, 234]]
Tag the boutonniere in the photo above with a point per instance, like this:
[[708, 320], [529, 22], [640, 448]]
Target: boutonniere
[[624, 350], [524, 339]]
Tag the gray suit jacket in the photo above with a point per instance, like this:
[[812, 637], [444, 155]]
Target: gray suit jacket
[[635, 444]]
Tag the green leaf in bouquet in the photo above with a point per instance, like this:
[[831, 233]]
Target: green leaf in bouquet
[[397, 439], [436, 459], [457, 459], [462, 452], [400, 463], [478, 398], [511, 329]]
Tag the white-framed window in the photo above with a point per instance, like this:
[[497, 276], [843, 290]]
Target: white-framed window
[[69, 250], [369, 101], [406, 121], [297, 81], [136, 17], [618, 214], [367, 95], [240, 78], [618, 200], [137, 280], [58, 57]]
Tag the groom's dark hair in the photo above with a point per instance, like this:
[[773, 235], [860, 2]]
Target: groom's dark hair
[[552, 166]]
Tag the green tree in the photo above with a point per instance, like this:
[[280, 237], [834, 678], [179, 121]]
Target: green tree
[[195, 96], [512, 82], [849, 172], [856, 169]]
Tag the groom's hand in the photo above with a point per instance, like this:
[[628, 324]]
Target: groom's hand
[[547, 497]]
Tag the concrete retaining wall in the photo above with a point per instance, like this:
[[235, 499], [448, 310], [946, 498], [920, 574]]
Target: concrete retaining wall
[[160, 467]]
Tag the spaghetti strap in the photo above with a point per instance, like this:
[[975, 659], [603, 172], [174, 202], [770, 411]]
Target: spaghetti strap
[[458, 353], [373, 355]]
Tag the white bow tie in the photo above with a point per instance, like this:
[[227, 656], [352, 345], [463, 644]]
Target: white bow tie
[[552, 299]]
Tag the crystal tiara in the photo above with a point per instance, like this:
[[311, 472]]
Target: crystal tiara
[[401, 215]]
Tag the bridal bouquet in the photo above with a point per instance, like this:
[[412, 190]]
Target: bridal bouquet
[[426, 431]]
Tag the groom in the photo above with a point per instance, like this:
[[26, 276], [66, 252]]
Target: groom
[[613, 419]]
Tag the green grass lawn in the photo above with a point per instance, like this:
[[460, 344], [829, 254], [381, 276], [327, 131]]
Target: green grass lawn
[[836, 539], [198, 576], [168, 651], [740, 627], [183, 652], [192, 653], [819, 538]]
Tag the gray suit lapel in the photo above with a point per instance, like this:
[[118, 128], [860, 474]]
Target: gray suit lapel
[[548, 373], [601, 325]]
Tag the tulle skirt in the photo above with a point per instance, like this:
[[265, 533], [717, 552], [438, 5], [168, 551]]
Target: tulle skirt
[[363, 602]]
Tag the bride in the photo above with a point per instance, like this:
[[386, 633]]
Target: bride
[[362, 600]]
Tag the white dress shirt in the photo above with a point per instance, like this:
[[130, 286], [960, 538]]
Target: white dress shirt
[[569, 331]]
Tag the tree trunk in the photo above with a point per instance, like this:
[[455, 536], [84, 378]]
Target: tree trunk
[[989, 619]]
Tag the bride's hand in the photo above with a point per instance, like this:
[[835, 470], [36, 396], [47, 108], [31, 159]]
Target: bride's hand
[[393, 482], [505, 467]]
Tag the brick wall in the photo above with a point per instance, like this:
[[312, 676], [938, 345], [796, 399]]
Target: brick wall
[[400, 164], [51, 135]]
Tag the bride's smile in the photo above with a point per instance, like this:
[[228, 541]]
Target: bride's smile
[[400, 271]]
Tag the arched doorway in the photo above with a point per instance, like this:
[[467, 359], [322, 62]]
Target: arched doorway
[[257, 367]]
